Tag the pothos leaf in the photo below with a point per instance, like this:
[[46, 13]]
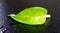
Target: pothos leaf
[[31, 16]]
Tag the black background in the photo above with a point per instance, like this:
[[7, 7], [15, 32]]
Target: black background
[[53, 7]]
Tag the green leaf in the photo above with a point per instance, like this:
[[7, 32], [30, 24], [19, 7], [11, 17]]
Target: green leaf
[[31, 16]]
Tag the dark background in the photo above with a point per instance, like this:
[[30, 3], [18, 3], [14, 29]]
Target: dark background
[[53, 6]]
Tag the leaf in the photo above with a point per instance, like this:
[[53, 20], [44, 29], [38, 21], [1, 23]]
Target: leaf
[[31, 16]]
